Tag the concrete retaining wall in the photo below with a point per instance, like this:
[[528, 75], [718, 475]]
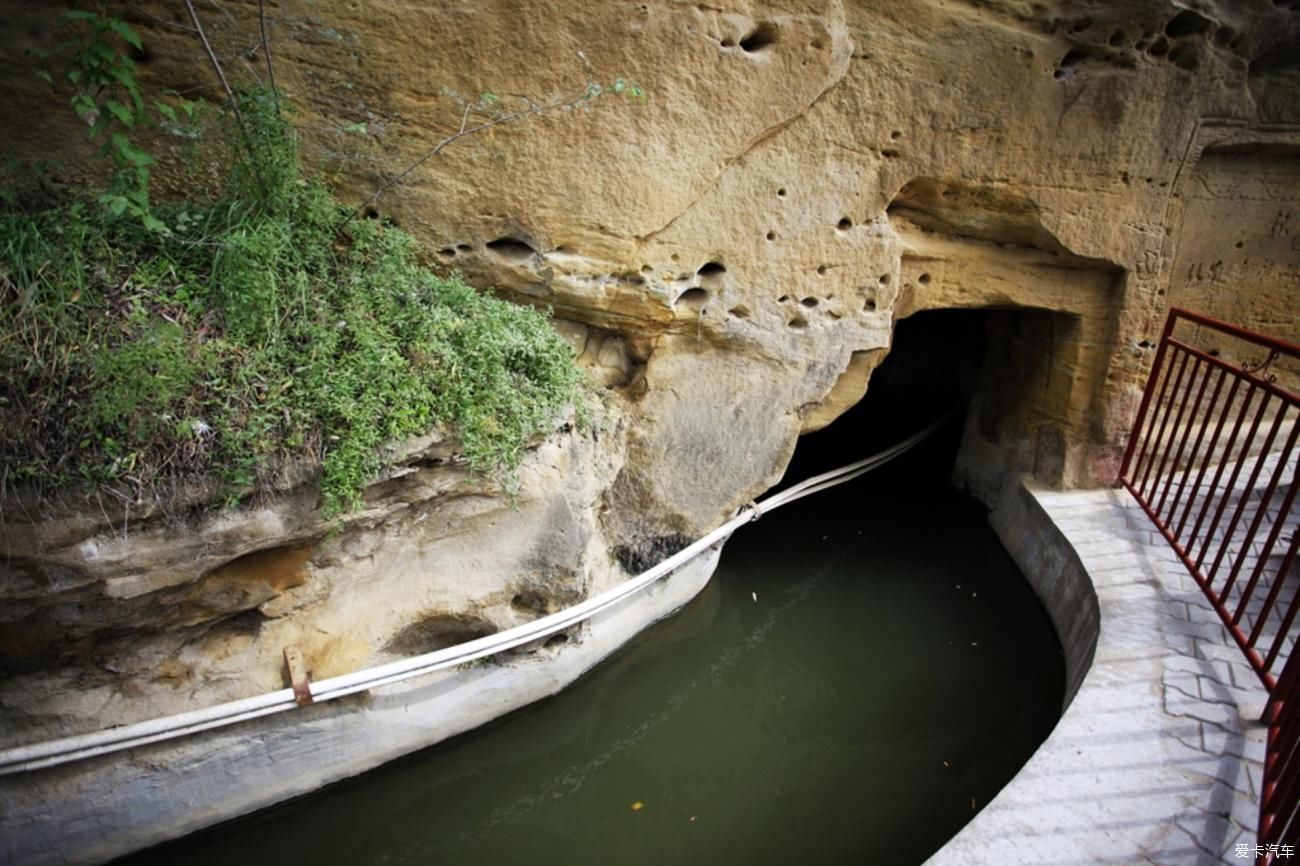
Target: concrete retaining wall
[[1057, 576]]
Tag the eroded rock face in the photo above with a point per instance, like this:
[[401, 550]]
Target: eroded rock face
[[113, 622], [728, 256]]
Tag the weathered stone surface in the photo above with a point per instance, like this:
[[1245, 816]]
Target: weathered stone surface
[[434, 553], [729, 257]]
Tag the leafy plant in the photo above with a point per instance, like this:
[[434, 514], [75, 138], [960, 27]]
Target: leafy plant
[[109, 100], [263, 330]]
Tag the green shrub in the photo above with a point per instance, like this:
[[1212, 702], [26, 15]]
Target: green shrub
[[255, 328]]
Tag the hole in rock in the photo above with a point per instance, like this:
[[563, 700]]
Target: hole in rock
[[1072, 58], [511, 249], [530, 601], [869, 306], [1186, 56], [821, 270], [693, 299], [1186, 23], [844, 224], [781, 192], [439, 631], [761, 38], [740, 311], [711, 270], [556, 641], [649, 551], [798, 323], [771, 236], [924, 279], [783, 299], [1159, 48], [809, 302], [447, 253]]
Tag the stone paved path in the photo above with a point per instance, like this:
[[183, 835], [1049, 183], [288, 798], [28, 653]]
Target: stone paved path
[[1158, 760]]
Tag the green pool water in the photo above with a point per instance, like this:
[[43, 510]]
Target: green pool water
[[866, 669]]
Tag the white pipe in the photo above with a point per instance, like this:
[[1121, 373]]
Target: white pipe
[[67, 749]]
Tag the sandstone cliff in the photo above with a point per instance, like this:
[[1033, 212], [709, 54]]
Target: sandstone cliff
[[728, 256]]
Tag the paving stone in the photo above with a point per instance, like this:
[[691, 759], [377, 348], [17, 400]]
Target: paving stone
[[1214, 668], [1200, 611], [1211, 633], [1255, 772], [1210, 830], [1220, 742], [1101, 562], [1218, 767], [1224, 652], [1188, 684]]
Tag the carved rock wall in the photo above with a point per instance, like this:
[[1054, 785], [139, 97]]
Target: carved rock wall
[[729, 256]]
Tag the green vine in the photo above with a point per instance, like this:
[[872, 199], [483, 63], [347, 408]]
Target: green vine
[[109, 100]]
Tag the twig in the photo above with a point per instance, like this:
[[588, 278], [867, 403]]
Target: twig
[[266, 50], [165, 23], [438, 148], [230, 94]]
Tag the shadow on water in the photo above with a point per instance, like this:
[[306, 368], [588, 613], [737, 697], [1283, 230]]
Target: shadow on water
[[865, 671]]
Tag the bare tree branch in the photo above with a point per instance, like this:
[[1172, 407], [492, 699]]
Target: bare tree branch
[[531, 109], [165, 23], [230, 95], [266, 50]]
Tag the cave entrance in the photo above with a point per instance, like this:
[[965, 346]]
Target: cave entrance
[[1010, 372]]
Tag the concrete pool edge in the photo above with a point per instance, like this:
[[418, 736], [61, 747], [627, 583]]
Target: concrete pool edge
[[1158, 757], [1052, 568]]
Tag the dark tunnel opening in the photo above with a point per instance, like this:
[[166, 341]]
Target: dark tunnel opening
[[1000, 371], [930, 369]]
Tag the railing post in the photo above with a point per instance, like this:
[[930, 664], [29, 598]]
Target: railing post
[[1147, 391]]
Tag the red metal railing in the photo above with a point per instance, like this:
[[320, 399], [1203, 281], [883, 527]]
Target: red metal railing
[[1209, 460]]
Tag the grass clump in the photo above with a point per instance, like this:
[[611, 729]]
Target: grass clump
[[258, 327]]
